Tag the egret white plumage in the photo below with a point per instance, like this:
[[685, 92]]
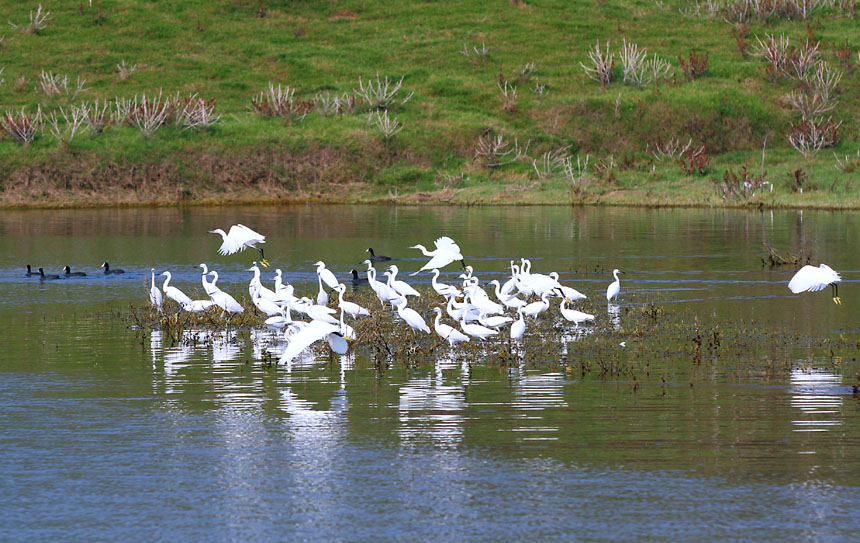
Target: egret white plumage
[[446, 251], [493, 321], [812, 279], [155, 297], [385, 293], [400, 287], [518, 327], [351, 308], [409, 315], [510, 301], [536, 308], [174, 293], [447, 332], [240, 238], [207, 286], [441, 288], [614, 287], [198, 306], [573, 315], [222, 299], [307, 336], [477, 330], [325, 275], [268, 307]]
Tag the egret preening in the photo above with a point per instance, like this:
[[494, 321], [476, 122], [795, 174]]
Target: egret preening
[[155, 297], [43, 277], [307, 336], [812, 279], [240, 238], [447, 251], [409, 315], [174, 293], [377, 258], [108, 271], [446, 332], [614, 287], [67, 271]]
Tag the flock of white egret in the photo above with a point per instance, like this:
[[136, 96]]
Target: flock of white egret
[[468, 305]]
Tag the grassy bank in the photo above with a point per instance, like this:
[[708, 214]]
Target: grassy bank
[[495, 105]]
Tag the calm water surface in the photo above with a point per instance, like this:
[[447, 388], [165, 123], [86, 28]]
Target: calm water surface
[[108, 433]]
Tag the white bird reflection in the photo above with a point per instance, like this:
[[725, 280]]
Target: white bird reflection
[[535, 392], [816, 393], [431, 409], [614, 311]]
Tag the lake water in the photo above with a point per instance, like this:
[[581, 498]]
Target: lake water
[[109, 432]]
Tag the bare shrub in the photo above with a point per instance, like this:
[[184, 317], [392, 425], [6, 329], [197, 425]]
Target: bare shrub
[[576, 176], [280, 102], [810, 105], [52, 84], [22, 127], [775, 53], [808, 136], [848, 164], [125, 71], [656, 69], [1, 73], [673, 148], [38, 22], [551, 163], [633, 67], [72, 123], [739, 186], [480, 53], [601, 65], [388, 126], [196, 113], [695, 161], [540, 89], [96, 116], [526, 72], [508, 97], [381, 93], [148, 114], [803, 59], [494, 151], [328, 104]]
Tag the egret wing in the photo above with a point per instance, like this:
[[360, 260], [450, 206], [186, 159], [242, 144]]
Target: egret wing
[[314, 331], [809, 279]]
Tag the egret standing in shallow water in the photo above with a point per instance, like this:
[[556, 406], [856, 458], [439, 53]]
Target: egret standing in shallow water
[[174, 293], [447, 332], [240, 238], [614, 287], [155, 297], [812, 279]]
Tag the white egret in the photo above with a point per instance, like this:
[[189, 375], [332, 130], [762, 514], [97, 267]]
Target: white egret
[[207, 287], [477, 330], [400, 287], [43, 277], [812, 279], [518, 327], [351, 308], [447, 251], [571, 293], [325, 275], [307, 336], [268, 307], [256, 286], [536, 308], [614, 287], [155, 297], [441, 288], [198, 306], [510, 301], [67, 271], [319, 312], [240, 238], [573, 315], [409, 315], [174, 293], [493, 321], [375, 257], [322, 295], [222, 299], [382, 290], [446, 332], [106, 267]]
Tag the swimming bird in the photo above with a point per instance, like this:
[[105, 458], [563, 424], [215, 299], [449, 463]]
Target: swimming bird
[[106, 267], [155, 297], [67, 271], [812, 279], [409, 315], [31, 273], [356, 280], [375, 257], [43, 277], [614, 287], [351, 308], [573, 315], [174, 293], [240, 238], [446, 251], [446, 332]]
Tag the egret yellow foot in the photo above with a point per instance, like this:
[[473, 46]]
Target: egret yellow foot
[[837, 300], [264, 263]]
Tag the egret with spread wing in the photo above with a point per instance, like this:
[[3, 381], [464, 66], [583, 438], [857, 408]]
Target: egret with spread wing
[[240, 238]]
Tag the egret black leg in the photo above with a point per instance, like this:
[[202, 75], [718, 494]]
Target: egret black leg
[[263, 260], [463, 263], [836, 299]]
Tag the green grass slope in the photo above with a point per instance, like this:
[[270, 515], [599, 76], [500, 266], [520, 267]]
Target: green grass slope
[[735, 113]]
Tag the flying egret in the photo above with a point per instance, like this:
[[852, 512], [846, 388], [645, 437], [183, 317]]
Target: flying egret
[[409, 315], [477, 330], [518, 327], [352, 309], [447, 251], [441, 288], [155, 297], [222, 299], [446, 332], [400, 287], [307, 336], [67, 271], [573, 315], [43, 277], [812, 279], [174, 293], [240, 238], [106, 267], [614, 287], [375, 257]]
